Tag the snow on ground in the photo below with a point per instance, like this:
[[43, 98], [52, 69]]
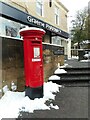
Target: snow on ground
[[73, 57], [88, 60], [13, 102]]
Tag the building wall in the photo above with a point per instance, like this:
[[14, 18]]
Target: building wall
[[48, 12], [48, 15]]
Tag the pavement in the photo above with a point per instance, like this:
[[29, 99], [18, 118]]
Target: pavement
[[76, 63], [73, 101]]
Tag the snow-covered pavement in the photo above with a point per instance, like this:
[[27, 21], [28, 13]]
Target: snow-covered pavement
[[13, 102]]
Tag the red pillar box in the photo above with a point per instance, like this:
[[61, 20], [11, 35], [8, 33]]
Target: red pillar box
[[33, 62]]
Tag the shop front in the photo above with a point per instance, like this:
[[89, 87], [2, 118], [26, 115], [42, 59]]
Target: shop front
[[11, 59]]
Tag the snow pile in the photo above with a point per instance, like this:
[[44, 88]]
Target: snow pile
[[49, 88], [5, 89], [54, 77], [0, 91], [60, 71], [87, 55], [55, 107], [63, 66], [88, 60], [85, 42], [13, 102], [73, 57], [13, 86]]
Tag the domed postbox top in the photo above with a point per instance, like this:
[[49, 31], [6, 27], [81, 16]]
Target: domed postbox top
[[27, 31]]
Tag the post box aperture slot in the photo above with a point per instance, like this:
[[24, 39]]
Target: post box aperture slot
[[36, 42]]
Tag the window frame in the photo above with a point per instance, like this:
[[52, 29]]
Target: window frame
[[39, 7], [56, 15], [10, 28]]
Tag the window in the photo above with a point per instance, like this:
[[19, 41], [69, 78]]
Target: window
[[10, 28], [39, 7], [56, 40], [56, 15]]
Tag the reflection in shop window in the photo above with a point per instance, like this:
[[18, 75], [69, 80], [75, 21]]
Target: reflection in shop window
[[10, 28], [10, 31], [56, 40]]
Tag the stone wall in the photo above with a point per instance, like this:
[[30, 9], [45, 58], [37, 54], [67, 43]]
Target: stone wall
[[51, 60], [13, 64]]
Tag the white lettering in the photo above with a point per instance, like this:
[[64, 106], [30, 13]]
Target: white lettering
[[44, 25], [36, 60], [35, 21], [51, 28]]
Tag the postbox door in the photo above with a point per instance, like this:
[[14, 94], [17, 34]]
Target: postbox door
[[37, 66]]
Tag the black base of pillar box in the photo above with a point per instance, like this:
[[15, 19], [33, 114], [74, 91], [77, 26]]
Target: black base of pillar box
[[33, 93]]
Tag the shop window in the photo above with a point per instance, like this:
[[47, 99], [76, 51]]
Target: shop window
[[10, 28], [56, 40], [56, 15], [39, 7]]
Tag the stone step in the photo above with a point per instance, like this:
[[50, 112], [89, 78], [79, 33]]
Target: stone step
[[73, 78], [75, 84], [74, 75], [81, 78], [72, 83], [75, 72], [77, 69]]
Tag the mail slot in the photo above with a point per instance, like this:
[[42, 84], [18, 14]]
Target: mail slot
[[33, 61]]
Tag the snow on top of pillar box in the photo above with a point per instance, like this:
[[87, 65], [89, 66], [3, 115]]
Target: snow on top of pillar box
[[31, 28]]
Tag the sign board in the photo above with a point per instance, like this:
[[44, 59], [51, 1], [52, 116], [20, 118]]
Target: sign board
[[59, 52], [27, 19], [44, 25]]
